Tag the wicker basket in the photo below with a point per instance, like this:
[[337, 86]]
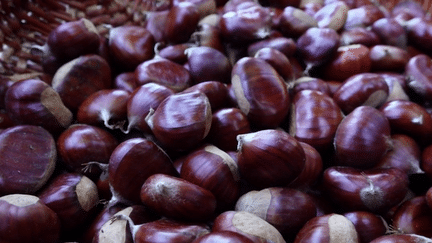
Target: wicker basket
[[27, 23]]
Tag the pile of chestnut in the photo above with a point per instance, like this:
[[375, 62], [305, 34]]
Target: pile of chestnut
[[225, 121]]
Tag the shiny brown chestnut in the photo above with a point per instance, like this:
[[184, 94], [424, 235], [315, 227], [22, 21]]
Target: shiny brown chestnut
[[208, 64], [208, 35], [269, 158], [294, 22], [227, 123], [397, 86], [175, 52], [131, 163], [28, 157], [213, 169], [142, 99], [284, 208], [369, 226], [177, 198], [390, 32], [359, 35], [315, 117], [362, 138], [309, 83], [419, 31], [73, 197], [363, 16], [107, 107], [404, 155], [409, 118], [165, 72], [414, 217], [349, 60], [81, 77], [73, 39], [426, 161], [81, 143], [34, 102], [181, 121], [373, 190], [249, 225], [328, 228], [418, 73], [278, 61], [388, 58], [126, 81], [402, 238], [216, 92], [283, 44], [25, 219], [129, 46], [332, 15], [260, 92], [364, 89], [312, 169], [317, 46], [222, 237]]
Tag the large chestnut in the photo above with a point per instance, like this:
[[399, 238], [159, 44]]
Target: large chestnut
[[25, 219], [269, 158], [28, 157], [369, 226]]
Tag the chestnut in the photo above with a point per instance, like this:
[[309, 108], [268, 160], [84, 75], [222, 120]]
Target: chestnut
[[249, 225], [81, 77], [414, 217], [418, 71], [260, 92], [426, 160], [369, 226], [309, 83], [390, 32], [284, 208], [332, 15], [24, 218], [312, 169], [388, 58], [177, 198], [294, 22], [131, 163], [373, 190], [405, 238], [34, 102], [126, 81], [73, 197], [328, 228], [278, 61], [175, 52], [363, 16], [222, 237], [359, 35], [208, 35], [362, 138], [419, 32], [269, 158], [28, 157], [216, 92], [181, 121], [283, 44]]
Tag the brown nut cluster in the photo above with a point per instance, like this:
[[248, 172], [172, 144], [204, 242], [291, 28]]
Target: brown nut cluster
[[280, 121]]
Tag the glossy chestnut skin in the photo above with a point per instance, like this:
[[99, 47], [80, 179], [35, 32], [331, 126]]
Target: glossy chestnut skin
[[222, 237], [142, 99], [208, 35], [170, 231], [34, 102], [24, 218], [328, 228], [165, 72], [284, 208], [348, 61], [414, 217], [364, 89], [81, 77], [362, 16], [73, 39], [401, 238], [369, 226], [131, 163], [129, 46], [177, 198], [99, 220], [359, 35], [27, 157], [247, 224], [309, 83], [426, 161], [73, 197], [208, 64], [373, 190], [388, 58], [409, 118], [213, 169], [404, 155], [317, 46], [278, 61], [283, 44], [260, 92], [312, 169], [175, 52], [314, 119], [294, 22], [419, 32], [227, 123], [107, 107], [181, 121], [81, 143], [362, 138], [332, 15], [126, 81], [418, 71], [390, 32], [216, 92], [269, 158]]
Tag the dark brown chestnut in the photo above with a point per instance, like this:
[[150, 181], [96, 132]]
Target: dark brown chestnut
[[34, 102], [369, 226], [312, 169], [309, 83], [222, 237], [414, 217], [388, 58], [177, 198], [126, 81], [24, 219], [181, 121], [390, 32], [359, 35], [269, 158], [362, 138], [28, 157], [216, 92], [283, 44], [373, 190], [333, 15], [418, 72], [294, 22], [278, 61], [363, 16], [401, 238]]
